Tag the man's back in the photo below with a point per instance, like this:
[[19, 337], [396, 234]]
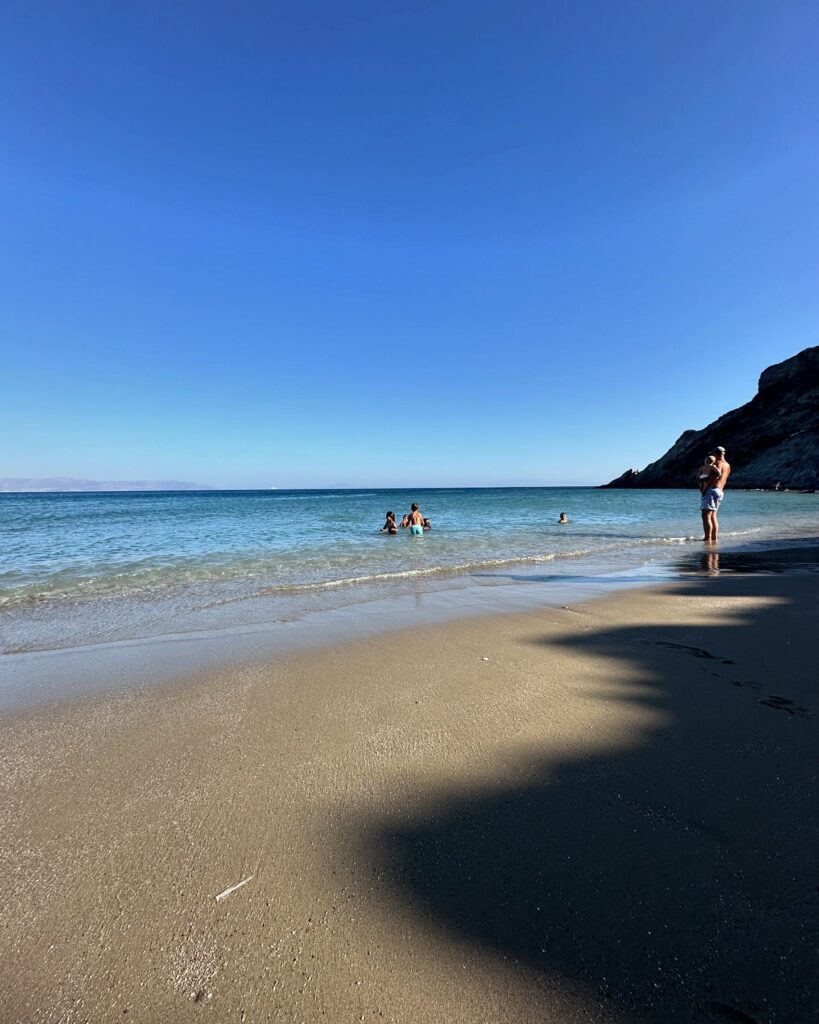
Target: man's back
[[724, 469]]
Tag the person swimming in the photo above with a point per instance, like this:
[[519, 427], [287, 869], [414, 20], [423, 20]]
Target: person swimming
[[563, 520], [389, 526]]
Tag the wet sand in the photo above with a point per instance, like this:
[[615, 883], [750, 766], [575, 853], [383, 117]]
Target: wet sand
[[603, 813]]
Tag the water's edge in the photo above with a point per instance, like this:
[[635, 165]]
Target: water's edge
[[50, 677]]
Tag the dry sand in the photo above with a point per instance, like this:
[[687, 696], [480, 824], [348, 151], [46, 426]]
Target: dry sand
[[600, 813]]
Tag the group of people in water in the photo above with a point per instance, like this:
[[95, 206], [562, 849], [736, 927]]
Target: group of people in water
[[417, 524], [712, 477], [412, 521]]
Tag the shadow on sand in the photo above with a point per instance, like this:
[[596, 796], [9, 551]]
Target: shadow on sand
[[672, 881]]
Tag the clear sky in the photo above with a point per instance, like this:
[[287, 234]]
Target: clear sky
[[422, 243]]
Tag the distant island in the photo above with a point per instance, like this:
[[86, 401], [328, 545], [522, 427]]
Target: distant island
[[11, 484], [772, 441]]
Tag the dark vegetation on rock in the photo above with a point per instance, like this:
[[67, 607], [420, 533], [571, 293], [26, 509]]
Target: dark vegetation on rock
[[771, 441]]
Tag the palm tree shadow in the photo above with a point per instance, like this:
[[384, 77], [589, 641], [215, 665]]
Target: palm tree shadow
[[675, 880]]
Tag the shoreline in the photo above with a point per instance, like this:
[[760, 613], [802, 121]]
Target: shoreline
[[46, 676], [600, 812], [101, 570]]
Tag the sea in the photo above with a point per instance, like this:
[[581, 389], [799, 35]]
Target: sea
[[84, 569]]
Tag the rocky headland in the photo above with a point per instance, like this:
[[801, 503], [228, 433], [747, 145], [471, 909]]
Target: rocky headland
[[772, 441]]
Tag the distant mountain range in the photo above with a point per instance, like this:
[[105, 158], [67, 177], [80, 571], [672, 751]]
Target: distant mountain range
[[65, 483], [771, 441]]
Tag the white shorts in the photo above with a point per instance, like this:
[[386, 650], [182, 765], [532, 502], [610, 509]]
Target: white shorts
[[710, 501]]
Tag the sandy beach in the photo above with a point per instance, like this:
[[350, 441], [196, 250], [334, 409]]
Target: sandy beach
[[604, 812]]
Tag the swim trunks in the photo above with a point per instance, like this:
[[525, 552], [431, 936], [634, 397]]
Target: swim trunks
[[417, 531], [711, 499]]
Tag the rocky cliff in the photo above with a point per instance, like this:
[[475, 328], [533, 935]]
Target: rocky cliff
[[772, 440]]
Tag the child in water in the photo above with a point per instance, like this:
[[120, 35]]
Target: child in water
[[389, 526], [416, 521], [563, 520]]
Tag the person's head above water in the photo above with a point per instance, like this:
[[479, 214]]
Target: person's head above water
[[719, 451], [415, 506], [563, 518], [390, 515]]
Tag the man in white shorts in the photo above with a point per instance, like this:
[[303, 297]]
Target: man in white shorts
[[713, 494]]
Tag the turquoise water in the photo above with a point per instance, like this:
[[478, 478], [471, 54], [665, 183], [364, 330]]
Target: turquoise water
[[84, 568]]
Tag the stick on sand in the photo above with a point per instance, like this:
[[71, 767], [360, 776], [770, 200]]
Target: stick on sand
[[233, 888]]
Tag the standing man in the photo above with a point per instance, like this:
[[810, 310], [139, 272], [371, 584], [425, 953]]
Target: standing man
[[713, 495]]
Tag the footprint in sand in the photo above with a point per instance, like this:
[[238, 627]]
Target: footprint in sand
[[783, 704], [696, 652]]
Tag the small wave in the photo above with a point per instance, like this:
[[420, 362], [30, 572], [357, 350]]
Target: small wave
[[145, 583], [462, 569]]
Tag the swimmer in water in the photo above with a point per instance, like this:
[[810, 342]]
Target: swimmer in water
[[389, 526], [416, 521], [563, 520], [427, 524]]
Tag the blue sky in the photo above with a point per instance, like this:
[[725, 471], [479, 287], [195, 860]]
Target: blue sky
[[309, 244]]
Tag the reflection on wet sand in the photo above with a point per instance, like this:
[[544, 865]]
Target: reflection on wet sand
[[712, 561]]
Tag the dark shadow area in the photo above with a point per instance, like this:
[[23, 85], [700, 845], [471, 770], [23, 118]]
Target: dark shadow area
[[675, 879]]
